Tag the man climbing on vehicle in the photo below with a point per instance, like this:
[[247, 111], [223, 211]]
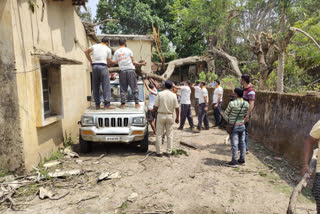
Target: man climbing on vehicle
[[124, 57], [101, 56]]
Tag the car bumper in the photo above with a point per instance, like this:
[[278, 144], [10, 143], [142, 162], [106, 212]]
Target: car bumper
[[109, 135]]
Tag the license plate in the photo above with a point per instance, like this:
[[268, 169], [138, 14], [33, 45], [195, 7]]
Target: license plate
[[112, 139]]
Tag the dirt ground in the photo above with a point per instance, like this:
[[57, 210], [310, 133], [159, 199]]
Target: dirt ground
[[197, 183]]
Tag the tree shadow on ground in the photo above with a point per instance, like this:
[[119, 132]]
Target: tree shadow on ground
[[214, 162]]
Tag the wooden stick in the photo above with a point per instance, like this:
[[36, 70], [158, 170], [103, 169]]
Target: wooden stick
[[145, 158], [303, 183]]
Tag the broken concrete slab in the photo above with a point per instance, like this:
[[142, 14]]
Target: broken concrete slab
[[115, 175], [61, 174], [108, 176], [69, 153], [103, 176], [44, 193], [52, 163], [133, 197]]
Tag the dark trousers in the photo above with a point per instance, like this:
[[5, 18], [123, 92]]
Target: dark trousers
[[184, 114], [246, 139], [316, 191], [128, 78], [100, 75], [196, 108], [237, 142], [202, 117], [217, 114]]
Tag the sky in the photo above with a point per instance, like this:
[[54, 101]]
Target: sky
[[93, 6]]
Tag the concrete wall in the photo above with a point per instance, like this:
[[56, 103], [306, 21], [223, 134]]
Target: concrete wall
[[280, 121], [11, 153], [141, 50], [55, 34]]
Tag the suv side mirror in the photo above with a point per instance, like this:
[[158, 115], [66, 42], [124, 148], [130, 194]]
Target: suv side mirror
[[89, 98]]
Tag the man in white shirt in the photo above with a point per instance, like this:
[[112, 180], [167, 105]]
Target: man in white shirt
[[151, 115], [197, 91], [185, 105], [100, 74], [203, 108], [124, 57], [217, 102]]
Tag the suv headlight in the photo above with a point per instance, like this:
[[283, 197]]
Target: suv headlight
[[86, 121], [138, 121]]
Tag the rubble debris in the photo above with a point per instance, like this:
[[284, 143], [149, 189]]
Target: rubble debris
[[133, 197], [115, 175], [52, 163], [79, 161], [108, 176], [61, 174], [44, 193], [103, 176], [69, 153]]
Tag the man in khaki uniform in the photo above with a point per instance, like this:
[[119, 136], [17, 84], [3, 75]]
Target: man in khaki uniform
[[309, 143], [166, 103]]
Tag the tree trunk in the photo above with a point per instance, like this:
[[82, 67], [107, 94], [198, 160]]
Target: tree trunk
[[281, 61], [211, 66], [263, 69], [283, 46]]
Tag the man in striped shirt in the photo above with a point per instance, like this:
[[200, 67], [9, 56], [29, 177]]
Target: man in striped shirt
[[235, 113]]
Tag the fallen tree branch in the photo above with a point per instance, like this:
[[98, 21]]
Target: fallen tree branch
[[307, 35], [140, 73], [189, 145], [86, 199], [62, 196], [302, 184], [179, 62], [233, 60], [146, 157]]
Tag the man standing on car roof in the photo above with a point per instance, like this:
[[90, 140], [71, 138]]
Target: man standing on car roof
[[100, 74], [124, 57]]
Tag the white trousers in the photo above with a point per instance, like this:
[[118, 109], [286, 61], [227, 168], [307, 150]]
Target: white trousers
[[165, 123]]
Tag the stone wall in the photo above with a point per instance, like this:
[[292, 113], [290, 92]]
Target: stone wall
[[11, 148]]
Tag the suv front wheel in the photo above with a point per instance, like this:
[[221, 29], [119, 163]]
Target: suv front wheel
[[144, 144], [84, 145]]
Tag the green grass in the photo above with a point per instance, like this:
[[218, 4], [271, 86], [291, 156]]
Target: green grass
[[27, 190], [54, 156], [176, 152]]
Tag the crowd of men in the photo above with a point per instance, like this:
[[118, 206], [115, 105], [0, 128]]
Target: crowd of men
[[164, 102]]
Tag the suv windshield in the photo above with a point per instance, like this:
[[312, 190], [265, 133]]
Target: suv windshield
[[115, 93]]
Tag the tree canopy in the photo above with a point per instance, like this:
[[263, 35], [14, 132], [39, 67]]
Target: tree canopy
[[249, 30]]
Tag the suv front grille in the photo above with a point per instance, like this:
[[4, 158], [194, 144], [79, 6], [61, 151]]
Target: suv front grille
[[112, 122]]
